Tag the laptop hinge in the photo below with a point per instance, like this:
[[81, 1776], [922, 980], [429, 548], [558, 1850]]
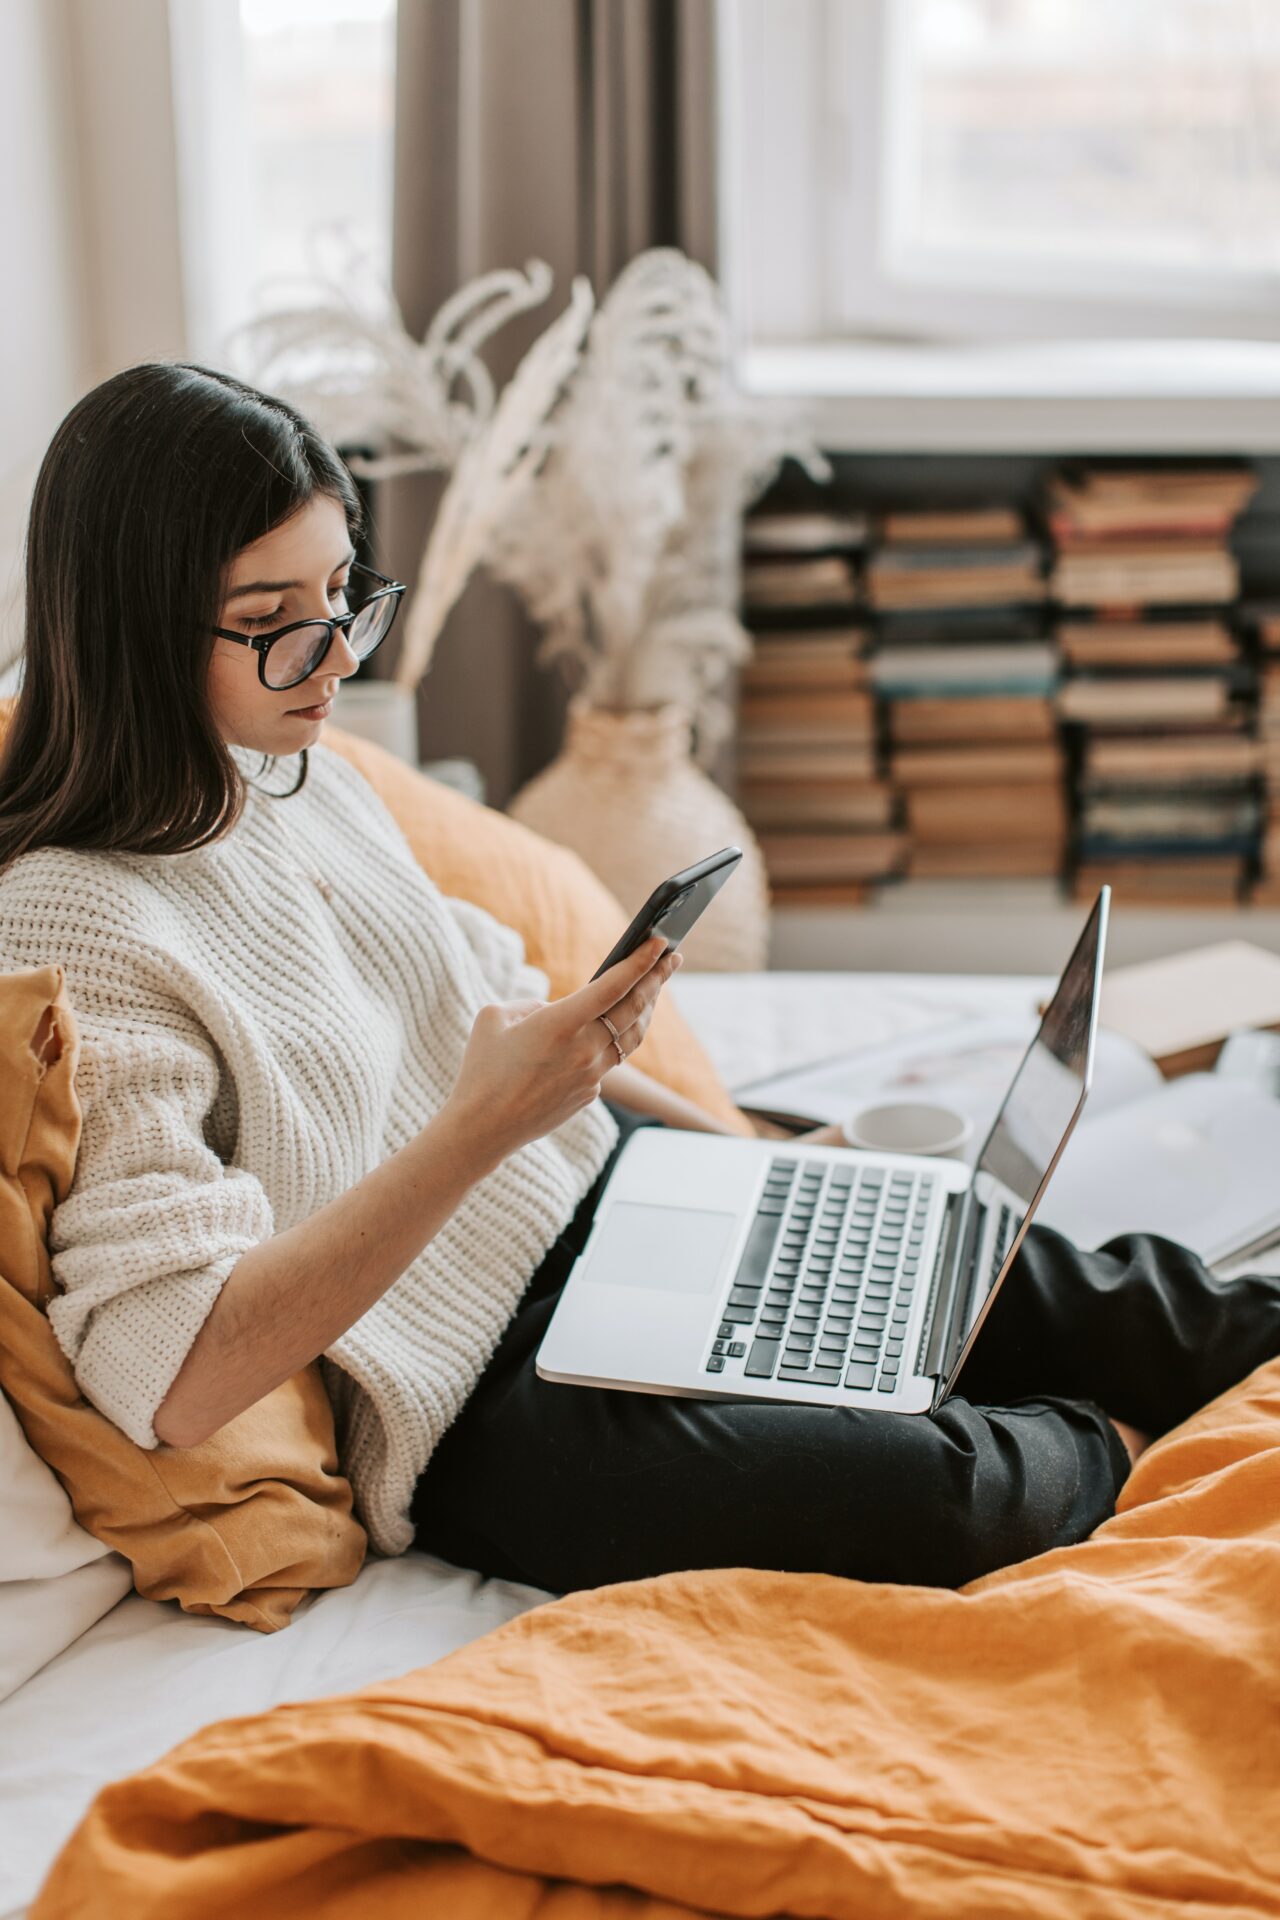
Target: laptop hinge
[[949, 1325], [937, 1313]]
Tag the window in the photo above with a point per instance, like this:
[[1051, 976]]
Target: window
[[319, 79], [285, 120], [1003, 169]]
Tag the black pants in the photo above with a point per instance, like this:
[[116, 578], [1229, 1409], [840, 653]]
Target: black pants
[[568, 1487]]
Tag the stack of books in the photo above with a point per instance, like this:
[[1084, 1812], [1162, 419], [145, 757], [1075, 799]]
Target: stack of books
[[1157, 694], [967, 676], [1261, 622], [809, 780], [801, 563], [946, 560]]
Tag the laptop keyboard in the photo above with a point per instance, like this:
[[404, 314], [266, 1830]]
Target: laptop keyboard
[[1004, 1233], [823, 1291]]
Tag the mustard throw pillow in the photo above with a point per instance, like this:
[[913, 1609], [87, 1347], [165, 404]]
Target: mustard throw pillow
[[244, 1525], [567, 919]]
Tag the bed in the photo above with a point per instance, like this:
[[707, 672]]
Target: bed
[[145, 1676]]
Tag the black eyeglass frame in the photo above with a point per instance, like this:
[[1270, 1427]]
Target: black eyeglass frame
[[262, 643]]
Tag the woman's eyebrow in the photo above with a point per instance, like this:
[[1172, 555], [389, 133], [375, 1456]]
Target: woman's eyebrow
[[282, 586]]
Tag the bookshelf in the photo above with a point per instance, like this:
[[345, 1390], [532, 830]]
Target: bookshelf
[[1198, 664], [985, 931]]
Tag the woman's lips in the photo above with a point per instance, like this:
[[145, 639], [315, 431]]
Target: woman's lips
[[320, 712]]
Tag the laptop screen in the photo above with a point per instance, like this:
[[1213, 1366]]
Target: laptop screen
[[1037, 1116]]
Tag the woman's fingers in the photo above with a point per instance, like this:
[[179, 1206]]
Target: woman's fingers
[[640, 1002], [631, 1035], [603, 995]]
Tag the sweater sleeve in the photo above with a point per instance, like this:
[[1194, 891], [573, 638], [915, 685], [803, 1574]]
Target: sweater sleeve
[[499, 950], [154, 1221]]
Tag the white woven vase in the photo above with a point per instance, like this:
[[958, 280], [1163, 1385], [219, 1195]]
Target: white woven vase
[[625, 795]]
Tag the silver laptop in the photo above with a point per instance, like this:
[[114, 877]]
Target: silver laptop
[[736, 1269]]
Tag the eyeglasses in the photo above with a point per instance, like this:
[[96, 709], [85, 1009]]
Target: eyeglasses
[[289, 655]]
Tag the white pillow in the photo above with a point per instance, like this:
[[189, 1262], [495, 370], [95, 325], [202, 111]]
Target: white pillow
[[55, 1579]]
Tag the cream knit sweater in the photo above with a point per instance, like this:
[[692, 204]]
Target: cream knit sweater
[[263, 1021]]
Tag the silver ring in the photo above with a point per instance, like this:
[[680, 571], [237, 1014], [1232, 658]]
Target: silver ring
[[613, 1035]]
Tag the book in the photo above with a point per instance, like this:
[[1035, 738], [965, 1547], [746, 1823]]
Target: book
[[1147, 643], [827, 581], [907, 672], [992, 717], [803, 532], [816, 803], [804, 662], [804, 676], [1191, 1160], [987, 813], [925, 560], [989, 764], [850, 893], [1205, 881], [1160, 850], [1150, 814], [951, 526], [1096, 500], [945, 626], [852, 710], [955, 585], [966, 1060], [831, 858], [1137, 574], [1181, 1008], [1149, 757], [1117, 700], [806, 759]]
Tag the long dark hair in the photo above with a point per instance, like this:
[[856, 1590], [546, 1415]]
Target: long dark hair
[[149, 487]]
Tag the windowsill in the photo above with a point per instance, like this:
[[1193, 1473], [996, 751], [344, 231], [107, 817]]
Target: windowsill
[[1068, 396]]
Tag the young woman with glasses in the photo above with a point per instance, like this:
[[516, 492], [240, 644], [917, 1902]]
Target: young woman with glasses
[[328, 1114]]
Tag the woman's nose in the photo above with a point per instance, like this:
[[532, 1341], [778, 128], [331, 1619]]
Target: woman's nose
[[342, 660]]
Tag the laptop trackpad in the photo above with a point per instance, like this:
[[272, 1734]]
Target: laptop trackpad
[[680, 1249]]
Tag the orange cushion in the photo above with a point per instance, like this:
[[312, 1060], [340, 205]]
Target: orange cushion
[[567, 919], [244, 1525]]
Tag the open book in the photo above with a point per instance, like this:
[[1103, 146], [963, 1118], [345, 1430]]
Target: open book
[[1195, 1159]]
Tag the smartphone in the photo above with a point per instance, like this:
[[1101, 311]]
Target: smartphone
[[672, 908]]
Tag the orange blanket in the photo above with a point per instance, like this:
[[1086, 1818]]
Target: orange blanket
[[1094, 1735]]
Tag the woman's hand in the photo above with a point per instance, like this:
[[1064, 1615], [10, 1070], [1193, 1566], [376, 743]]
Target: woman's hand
[[531, 1065]]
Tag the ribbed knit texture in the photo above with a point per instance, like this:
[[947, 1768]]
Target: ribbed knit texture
[[253, 1043]]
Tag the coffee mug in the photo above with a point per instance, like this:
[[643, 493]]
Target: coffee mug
[[908, 1126]]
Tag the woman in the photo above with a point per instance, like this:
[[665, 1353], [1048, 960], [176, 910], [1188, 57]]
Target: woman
[[326, 1111]]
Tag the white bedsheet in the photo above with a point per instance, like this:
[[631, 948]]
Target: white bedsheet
[[147, 1676]]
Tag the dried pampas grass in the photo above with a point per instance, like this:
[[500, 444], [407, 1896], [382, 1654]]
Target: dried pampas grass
[[605, 483]]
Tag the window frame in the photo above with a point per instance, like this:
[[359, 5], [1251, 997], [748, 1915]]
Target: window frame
[[831, 85]]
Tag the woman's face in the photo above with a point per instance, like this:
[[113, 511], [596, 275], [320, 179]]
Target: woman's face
[[296, 572]]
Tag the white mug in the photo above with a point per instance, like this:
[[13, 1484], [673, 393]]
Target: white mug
[[908, 1126]]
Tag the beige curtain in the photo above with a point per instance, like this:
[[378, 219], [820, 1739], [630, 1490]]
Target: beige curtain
[[578, 132]]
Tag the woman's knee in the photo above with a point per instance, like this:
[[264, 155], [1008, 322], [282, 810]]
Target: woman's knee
[[1018, 1481]]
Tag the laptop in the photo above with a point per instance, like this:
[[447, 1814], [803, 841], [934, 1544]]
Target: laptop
[[765, 1270]]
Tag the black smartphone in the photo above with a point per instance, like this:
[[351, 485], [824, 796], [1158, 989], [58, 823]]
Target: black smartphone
[[672, 908]]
